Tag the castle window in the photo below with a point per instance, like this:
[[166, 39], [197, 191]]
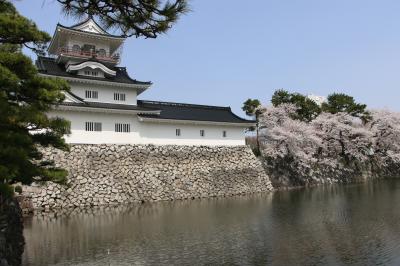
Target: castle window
[[122, 128], [91, 73], [224, 134], [178, 132], [89, 49], [76, 48], [202, 133], [91, 94], [119, 96], [92, 126], [101, 52]]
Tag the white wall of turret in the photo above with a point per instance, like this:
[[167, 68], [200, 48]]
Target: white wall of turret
[[107, 133], [147, 132], [165, 134], [105, 93]]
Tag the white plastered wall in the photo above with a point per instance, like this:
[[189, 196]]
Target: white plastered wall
[[146, 132], [107, 135], [165, 133], [106, 93]]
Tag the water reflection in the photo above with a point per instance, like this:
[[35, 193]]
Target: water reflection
[[334, 225]]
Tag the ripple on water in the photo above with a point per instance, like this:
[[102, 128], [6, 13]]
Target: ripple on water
[[335, 225]]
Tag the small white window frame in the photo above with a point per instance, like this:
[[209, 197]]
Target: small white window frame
[[91, 94], [121, 97], [122, 128], [93, 126]]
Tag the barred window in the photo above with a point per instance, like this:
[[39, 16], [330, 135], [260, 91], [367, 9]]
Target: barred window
[[101, 52], [178, 132], [91, 73], [91, 94], [119, 96], [92, 126], [202, 133], [76, 48], [224, 134], [122, 128]]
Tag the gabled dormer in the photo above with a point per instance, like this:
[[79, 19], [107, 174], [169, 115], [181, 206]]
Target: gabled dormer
[[89, 25], [91, 68], [85, 41]]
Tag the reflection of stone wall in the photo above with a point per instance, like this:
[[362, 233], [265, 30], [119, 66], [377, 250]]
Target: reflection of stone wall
[[11, 238], [117, 174]]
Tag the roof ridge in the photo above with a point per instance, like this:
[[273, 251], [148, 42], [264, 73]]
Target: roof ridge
[[45, 57], [82, 22], [123, 69], [186, 105], [95, 60], [90, 17], [94, 33], [49, 66], [76, 96], [110, 106]]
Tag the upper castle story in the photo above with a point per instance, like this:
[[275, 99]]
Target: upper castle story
[[87, 56], [83, 41]]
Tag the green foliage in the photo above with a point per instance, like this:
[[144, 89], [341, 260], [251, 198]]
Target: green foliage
[[339, 102], [307, 109], [281, 96], [146, 18], [25, 98], [250, 107], [18, 30], [6, 191]]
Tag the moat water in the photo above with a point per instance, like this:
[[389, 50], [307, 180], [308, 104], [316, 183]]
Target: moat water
[[335, 225]]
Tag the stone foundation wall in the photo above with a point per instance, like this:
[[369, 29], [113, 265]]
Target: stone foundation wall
[[119, 174]]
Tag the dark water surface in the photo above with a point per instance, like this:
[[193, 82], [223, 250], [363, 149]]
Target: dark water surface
[[335, 225]]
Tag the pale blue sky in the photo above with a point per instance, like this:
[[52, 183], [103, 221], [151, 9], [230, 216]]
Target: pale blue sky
[[226, 51]]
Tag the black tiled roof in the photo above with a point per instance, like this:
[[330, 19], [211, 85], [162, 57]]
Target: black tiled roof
[[48, 66], [170, 111], [101, 105], [192, 112], [87, 32]]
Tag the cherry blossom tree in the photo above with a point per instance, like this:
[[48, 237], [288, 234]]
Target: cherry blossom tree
[[335, 147], [343, 136], [287, 145], [385, 127]]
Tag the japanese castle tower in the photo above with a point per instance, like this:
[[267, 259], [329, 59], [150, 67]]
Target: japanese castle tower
[[102, 104]]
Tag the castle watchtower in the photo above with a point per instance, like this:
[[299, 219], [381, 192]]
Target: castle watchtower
[[85, 41], [102, 103]]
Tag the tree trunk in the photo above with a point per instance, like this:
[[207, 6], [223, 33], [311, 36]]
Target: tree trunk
[[11, 232], [258, 141]]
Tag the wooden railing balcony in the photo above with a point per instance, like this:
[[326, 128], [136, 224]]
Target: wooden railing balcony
[[99, 55]]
